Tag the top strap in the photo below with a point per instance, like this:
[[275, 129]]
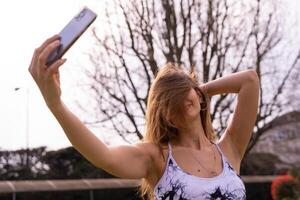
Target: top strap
[[170, 147], [219, 149], [221, 152]]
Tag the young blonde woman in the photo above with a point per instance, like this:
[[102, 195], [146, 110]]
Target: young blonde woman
[[180, 156]]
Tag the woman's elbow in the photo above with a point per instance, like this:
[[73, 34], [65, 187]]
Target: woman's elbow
[[253, 76]]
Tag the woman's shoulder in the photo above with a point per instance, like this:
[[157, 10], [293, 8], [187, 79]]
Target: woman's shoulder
[[148, 144], [225, 146], [159, 153], [152, 148]]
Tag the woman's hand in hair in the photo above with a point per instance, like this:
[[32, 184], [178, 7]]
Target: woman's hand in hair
[[47, 77], [204, 90]]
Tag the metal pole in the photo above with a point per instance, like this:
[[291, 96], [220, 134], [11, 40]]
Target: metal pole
[[27, 128], [91, 195], [27, 125], [13, 196]]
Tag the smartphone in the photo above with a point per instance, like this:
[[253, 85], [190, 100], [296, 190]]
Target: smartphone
[[71, 32]]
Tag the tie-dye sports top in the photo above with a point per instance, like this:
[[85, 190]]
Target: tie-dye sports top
[[177, 184]]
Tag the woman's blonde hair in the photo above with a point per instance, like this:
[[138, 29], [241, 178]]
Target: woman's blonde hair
[[165, 112]]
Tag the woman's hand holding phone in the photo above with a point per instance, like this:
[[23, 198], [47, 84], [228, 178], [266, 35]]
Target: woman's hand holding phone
[[47, 58], [47, 77]]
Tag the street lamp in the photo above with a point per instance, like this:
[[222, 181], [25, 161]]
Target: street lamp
[[27, 124]]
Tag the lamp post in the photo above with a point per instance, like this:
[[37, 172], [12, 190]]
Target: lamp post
[[27, 125]]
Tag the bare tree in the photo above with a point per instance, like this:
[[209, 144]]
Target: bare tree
[[212, 37]]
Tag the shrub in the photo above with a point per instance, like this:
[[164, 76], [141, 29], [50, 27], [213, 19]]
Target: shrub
[[286, 187]]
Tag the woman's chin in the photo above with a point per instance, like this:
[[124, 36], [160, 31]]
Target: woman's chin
[[192, 115]]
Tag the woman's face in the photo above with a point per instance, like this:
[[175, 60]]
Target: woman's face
[[192, 104]]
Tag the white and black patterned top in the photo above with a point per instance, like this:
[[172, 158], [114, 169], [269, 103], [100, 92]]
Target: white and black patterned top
[[177, 184]]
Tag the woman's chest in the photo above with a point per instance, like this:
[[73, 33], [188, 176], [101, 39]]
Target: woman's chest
[[206, 166], [177, 184]]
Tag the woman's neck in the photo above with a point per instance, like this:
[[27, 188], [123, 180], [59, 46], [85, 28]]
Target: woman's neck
[[192, 137]]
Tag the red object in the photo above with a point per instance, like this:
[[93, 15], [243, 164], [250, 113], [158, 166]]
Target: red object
[[278, 181]]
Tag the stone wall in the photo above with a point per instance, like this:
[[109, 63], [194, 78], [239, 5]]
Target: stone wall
[[282, 140]]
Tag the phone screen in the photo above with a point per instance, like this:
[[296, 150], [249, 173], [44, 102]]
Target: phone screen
[[71, 32]]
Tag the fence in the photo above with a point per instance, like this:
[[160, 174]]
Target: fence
[[88, 184]]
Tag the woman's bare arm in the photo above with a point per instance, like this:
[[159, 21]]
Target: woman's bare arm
[[126, 161], [246, 85]]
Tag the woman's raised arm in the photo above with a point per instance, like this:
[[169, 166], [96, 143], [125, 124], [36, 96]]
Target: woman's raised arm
[[246, 85], [126, 161]]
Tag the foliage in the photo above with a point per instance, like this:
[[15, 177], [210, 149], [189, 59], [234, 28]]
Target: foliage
[[38, 163], [286, 187]]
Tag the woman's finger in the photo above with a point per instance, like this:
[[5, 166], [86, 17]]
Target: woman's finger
[[32, 67], [35, 65], [53, 69], [46, 52], [47, 42]]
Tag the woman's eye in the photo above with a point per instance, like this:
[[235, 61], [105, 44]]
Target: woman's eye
[[189, 103]]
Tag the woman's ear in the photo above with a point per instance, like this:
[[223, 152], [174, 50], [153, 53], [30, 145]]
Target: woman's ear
[[201, 99]]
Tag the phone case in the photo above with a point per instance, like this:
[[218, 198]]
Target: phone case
[[71, 32]]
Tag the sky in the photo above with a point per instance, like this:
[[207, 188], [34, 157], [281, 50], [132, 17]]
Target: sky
[[24, 26]]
